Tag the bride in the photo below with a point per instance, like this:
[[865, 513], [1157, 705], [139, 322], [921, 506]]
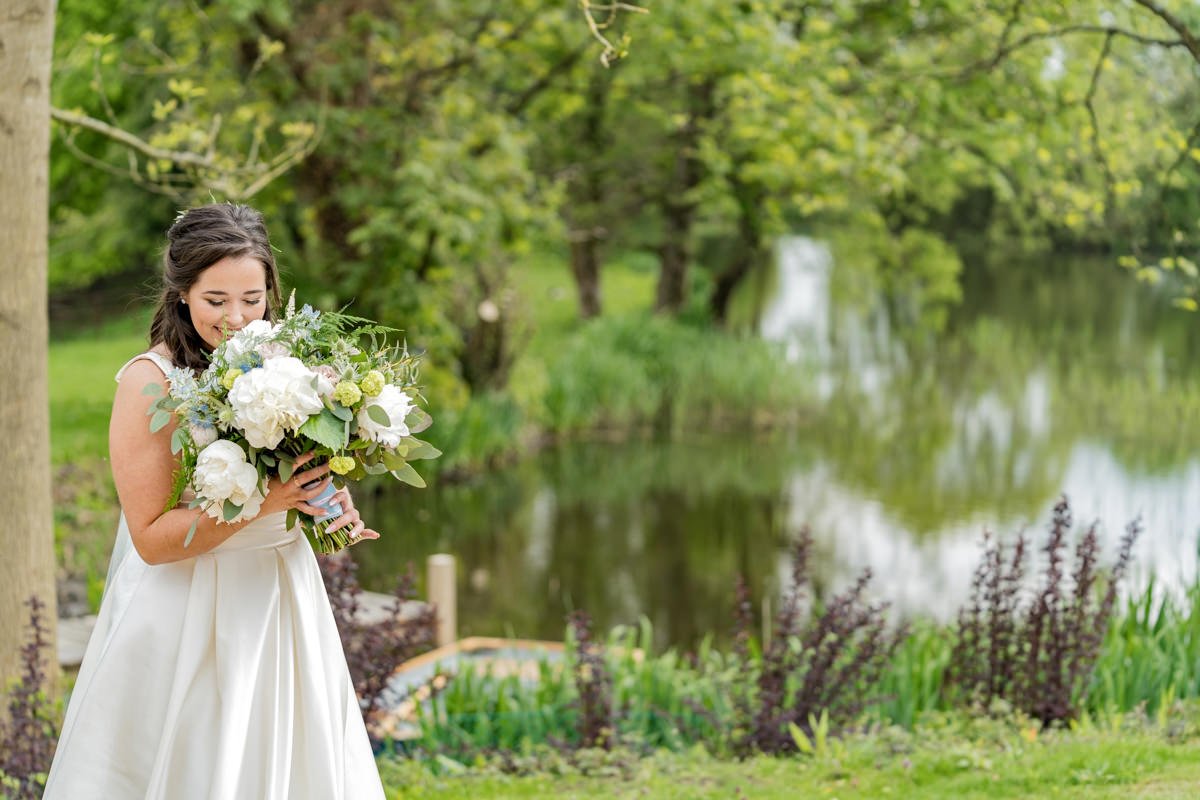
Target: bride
[[215, 670]]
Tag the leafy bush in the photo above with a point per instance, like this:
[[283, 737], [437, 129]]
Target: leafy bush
[[650, 371], [1038, 657]]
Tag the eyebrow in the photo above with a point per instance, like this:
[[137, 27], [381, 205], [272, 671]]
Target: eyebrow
[[224, 294]]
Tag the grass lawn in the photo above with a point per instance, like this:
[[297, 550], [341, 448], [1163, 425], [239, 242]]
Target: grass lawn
[[1094, 765], [82, 368]]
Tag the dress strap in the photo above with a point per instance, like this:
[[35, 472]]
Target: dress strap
[[160, 361]]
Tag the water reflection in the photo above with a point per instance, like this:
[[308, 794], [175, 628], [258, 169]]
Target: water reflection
[[1048, 379]]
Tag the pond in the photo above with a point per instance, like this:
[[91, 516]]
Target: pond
[[1050, 377]]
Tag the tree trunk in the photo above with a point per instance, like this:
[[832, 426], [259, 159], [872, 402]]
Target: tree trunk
[[678, 211], [27, 536], [672, 265], [585, 266], [749, 254]]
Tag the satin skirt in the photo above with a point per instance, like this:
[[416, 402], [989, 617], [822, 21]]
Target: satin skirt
[[221, 677]]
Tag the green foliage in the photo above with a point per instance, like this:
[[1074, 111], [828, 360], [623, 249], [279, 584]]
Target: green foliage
[[655, 372]]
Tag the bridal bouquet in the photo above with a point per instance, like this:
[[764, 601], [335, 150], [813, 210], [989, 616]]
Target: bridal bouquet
[[316, 382]]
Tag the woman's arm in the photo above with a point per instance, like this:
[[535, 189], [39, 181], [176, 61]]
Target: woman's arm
[[143, 469]]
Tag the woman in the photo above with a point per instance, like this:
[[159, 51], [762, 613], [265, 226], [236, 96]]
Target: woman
[[215, 670]]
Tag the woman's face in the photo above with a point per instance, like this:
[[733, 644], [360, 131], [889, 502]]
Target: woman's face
[[227, 296]]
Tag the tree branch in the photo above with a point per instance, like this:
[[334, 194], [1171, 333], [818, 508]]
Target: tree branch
[[1004, 50], [129, 140], [1186, 36]]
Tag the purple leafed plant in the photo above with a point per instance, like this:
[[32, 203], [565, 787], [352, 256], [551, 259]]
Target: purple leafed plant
[[829, 661], [30, 732], [595, 724], [1037, 656], [374, 649]]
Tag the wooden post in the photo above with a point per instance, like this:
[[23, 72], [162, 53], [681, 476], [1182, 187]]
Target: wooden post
[[443, 595]]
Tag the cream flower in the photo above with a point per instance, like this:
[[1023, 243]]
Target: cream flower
[[246, 339], [274, 399], [203, 435], [396, 404], [222, 473]]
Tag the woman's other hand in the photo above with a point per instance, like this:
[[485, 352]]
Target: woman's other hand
[[351, 520]]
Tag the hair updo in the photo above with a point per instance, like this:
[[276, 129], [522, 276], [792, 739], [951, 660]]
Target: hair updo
[[201, 237]]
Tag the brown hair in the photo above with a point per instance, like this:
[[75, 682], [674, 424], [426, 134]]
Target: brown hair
[[199, 238]]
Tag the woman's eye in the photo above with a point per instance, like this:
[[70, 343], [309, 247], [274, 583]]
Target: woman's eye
[[253, 302], [216, 303]]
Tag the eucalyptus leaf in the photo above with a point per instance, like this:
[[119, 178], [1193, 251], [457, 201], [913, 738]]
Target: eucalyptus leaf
[[267, 459], [379, 416], [409, 475], [418, 449], [394, 460], [375, 469], [229, 510], [418, 420], [152, 389], [159, 420], [286, 468], [341, 412], [191, 531], [177, 441]]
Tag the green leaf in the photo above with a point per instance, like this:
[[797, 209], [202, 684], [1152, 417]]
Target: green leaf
[[176, 440], [159, 420], [409, 475], [192, 530], [394, 460], [418, 420], [341, 412], [286, 468], [266, 459], [229, 510], [152, 389], [293, 516], [418, 449], [326, 430], [379, 416]]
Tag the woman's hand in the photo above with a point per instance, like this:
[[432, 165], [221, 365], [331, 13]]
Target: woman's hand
[[357, 530], [285, 495]]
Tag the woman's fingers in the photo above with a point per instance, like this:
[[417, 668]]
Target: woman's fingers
[[311, 492], [363, 535], [310, 475]]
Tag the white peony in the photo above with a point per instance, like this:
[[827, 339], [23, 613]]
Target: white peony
[[245, 340], [396, 404], [273, 399], [222, 473]]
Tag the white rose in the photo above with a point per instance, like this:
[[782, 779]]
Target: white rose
[[396, 404], [244, 340], [222, 473], [203, 435], [273, 399]]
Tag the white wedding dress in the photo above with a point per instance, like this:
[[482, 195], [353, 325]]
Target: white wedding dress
[[220, 677]]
